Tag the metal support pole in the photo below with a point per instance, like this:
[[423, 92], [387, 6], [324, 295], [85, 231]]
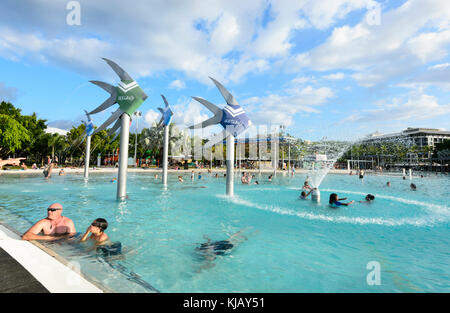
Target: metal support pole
[[210, 161], [230, 165], [259, 157], [88, 156], [165, 154], [289, 158], [123, 157]]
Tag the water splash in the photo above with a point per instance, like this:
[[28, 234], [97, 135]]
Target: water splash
[[321, 159]]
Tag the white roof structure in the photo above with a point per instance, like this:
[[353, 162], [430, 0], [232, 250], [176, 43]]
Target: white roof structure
[[54, 130]]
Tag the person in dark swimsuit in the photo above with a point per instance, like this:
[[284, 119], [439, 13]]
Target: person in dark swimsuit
[[210, 249]]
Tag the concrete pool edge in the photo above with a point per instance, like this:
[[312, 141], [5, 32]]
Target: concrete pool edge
[[58, 276]]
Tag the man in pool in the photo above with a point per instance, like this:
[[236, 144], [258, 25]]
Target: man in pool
[[53, 227], [14, 162]]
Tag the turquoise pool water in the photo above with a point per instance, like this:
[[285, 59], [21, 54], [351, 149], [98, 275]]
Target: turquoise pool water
[[292, 245]]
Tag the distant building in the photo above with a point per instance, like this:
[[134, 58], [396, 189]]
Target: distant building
[[420, 137]]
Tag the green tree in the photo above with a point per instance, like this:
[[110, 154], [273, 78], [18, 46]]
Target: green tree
[[12, 135]]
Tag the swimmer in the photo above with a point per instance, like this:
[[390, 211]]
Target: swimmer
[[256, 182], [192, 175], [270, 177], [48, 171], [243, 178], [61, 172], [304, 195], [156, 176], [413, 187], [180, 179], [210, 249], [334, 201], [199, 176], [306, 186], [217, 175], [97, 232], [114, 180], [361, 174], [369, 198], [388, 184]]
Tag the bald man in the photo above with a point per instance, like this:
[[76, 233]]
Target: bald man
[[15, 162], [54, 226]]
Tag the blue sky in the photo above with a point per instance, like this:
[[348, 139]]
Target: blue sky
[[334, 68]]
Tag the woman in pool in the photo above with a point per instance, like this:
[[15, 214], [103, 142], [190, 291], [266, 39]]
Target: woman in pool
[[334, 201]]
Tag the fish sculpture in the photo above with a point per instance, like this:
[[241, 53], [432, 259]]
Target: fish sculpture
[[127, 94], [232, 117], [166, 112]]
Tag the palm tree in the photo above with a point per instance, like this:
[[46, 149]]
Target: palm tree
[[153, 139]]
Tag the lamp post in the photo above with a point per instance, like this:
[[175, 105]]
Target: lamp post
[[138, 115]]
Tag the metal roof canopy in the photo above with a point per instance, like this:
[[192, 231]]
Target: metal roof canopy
[[285, 140]]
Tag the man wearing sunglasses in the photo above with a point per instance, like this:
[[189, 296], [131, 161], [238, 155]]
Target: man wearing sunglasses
[[54, 226]]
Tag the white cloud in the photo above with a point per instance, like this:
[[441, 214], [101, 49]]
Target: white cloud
[[7, 93], [280, 109], [151, 116], [334, 76], [438, 75], [177, 84], [322, 14], [416, 106], [199, 38], [379, 52]]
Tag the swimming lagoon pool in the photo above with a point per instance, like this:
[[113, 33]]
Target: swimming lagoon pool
[[292, 245]]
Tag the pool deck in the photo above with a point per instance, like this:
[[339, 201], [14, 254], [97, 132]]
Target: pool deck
[[26, 267], [15, 278]]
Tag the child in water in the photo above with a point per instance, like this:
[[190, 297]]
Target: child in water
[[97, 231], [101, 242]]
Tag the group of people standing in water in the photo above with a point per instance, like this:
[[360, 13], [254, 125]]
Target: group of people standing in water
[[334, 200]]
